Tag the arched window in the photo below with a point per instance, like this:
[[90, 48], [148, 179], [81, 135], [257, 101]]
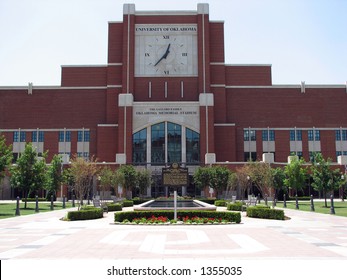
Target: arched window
[[166, 142]]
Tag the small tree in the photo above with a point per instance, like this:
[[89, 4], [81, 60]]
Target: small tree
[[244, 181], [202, 177], [83, 172], [144, 180], [325, 178], [295, 174], [278, 180], [220, 179], [54, 176], [5, 157], [261, 175], [127, 178], [29, 174], [108, 179]]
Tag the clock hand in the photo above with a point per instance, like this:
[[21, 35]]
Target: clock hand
[[164, 55]]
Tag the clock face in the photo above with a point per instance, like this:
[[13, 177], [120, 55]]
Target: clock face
[[165, 50]]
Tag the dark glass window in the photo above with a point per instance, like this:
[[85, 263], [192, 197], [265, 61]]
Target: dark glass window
[[67, 136], [268, 135], [34, 136], [140, 146], [338, 135], [174, 142], [83, 137], [192, 146], [250, 156], [249, 135], [313, 135], [298, 135], [158, 143]]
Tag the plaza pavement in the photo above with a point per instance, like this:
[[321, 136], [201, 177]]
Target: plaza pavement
[[44, 236]]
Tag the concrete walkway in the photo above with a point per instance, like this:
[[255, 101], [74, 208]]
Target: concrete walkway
[[44, 236]]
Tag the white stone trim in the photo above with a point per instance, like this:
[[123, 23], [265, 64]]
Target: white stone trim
[[107, 125], [203, 8], [125, 100], [206, 99], [224, 124], [128, 9]]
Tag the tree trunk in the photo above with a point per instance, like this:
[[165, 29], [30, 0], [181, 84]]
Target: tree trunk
[[325, 199], [25, 199]]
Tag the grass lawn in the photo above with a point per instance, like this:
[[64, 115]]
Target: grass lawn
[[340, 207], [8, 210]]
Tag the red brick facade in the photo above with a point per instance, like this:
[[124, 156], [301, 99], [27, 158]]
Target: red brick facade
[[243, 99]]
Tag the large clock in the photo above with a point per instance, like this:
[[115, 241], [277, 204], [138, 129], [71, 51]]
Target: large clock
[[165, 50]]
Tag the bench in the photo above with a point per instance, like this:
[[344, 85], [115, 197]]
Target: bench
[[252, 201], [98, 204]]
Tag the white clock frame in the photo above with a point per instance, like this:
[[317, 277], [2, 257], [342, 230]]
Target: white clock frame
[[166, 50]]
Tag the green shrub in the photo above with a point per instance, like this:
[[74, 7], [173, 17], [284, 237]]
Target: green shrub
[[265, 213], [138, 200], [114, 207], [127, 203], [263, 206], [236, 206], [220, 203], [87, 213], [228, 216]]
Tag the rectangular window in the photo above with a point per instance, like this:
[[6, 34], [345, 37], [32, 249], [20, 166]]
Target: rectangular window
[[16, 136], [34, 136], [80, 136], [67, 137], [250, 156], [61, 136], [22, 136], [268, 135], [83, 154], [338, 135], [86, 136], [298, 134], [249, 135], [83, 137], [313, 135]]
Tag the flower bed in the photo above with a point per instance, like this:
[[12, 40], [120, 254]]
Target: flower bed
[[180, 220], [183, 217]]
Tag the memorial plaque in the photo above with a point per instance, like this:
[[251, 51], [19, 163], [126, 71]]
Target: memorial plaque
[[175, 176]]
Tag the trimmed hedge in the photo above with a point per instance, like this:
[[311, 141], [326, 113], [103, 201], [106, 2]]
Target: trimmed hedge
[[114, 207], [127, 203], [265, 213], [229, 216], [138, 200], [220, 203], [88, 213], [236, 206]]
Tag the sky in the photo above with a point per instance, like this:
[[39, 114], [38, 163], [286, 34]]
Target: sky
[[303, 40]]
